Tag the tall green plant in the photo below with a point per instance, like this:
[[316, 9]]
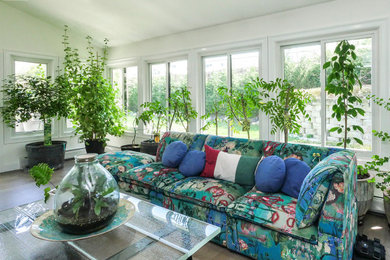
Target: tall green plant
[[215, 112], [93, 108], [181, 109], [153, 113], [242, 104], [26, 97], [341, 81], [285, 107]]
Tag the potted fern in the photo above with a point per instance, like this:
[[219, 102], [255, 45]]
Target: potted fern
[[27, 97]]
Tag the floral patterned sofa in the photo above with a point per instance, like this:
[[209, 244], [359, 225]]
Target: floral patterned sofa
[[253, 223]]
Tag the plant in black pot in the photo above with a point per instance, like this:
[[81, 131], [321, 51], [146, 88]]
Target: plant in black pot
[[27, 97], [93, 107]]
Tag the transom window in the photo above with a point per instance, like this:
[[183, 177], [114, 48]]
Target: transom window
[[302, 66]]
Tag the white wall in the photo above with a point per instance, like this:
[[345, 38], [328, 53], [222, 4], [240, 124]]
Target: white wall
[[337, 16], [21, 32]]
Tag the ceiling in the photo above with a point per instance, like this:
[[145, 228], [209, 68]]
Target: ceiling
[[127, 21]]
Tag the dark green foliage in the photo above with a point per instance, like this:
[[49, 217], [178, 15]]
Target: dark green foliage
[[26, 97], [341, 81], [93, 108], [285, 107], [181, 109], [42, 173]]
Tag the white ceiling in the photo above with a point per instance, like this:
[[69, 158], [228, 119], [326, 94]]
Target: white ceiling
[[127, 21]]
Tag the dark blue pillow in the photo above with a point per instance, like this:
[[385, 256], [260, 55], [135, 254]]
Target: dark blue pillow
[[174, 154], [193, 163], [270, 174], [296, 171]]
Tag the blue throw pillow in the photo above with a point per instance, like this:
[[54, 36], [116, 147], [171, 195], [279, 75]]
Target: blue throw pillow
[[270, 174], [174, 154], [193, 163], [296, 171]]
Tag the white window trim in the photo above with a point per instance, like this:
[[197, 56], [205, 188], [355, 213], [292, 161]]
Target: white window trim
[[10, 135], [376, 29], [259, 45]]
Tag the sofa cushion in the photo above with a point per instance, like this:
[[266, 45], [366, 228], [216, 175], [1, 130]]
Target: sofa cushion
[[193, 163], [270, 174], [174, 154], [315, 187], [211, 161], [210, 193], [275, 211], [310, 154], [119, 162], [233, 145], [153, 176], [296, 171], [193, 142]]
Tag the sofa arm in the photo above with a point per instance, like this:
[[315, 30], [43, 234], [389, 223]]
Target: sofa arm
[[339, 214]]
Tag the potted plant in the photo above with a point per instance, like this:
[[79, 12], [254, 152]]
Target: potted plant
[[242, 104], [181, 109], [214, 114], [93, 107], [341, 82], [286, 107], [365, 189], [27, 97]]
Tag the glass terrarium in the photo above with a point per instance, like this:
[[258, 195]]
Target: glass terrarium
[[87, 198]]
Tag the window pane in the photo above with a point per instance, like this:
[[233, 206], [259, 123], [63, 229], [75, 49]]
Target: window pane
[[302, 67], [30, 69], [364, 60], [131, 96], [159, 82], [178, 79], [117, 81], [215, 75], [245, 67]]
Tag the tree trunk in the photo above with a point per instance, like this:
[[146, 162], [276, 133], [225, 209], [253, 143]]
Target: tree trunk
[[216, 122], [285, 135], [47, 132]]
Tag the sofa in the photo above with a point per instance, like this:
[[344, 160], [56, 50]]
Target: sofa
[[256, 224]]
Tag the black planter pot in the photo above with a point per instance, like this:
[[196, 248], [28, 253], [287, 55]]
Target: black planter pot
[[53, 155], [94, 146], [131, 147], [149, 147]]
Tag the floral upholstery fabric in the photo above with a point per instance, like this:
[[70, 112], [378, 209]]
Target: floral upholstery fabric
[[154, 175], [235, 145], [135, 189], [119, 162], [312, 155], [193, 141], [316, 185], [260, 242], [213, 193], [275, 211], [190, 209]]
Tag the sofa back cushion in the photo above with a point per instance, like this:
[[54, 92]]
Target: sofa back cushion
[[311, 155], [192, 140], [315, 187], [235, 168], [233, 145]]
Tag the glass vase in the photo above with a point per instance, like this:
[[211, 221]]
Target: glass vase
[[87, 198]]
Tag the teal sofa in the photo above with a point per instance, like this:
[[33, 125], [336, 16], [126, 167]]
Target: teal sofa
[[253, 223]]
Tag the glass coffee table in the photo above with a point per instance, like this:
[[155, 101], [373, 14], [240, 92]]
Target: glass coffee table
[[152, 233]]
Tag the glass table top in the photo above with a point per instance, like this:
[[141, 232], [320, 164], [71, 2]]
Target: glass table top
[[152, 233]]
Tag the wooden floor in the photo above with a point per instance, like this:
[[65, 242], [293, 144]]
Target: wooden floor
[[17, 188]]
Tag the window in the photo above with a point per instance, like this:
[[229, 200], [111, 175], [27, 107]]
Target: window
[[302, 66], [126, 81], [232, 70], [165, 79], [29, 69]]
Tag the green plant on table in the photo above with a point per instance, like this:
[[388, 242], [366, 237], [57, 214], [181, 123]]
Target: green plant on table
[[181, 109], [27, 97], [93, 107], [341, 82], [285, 107], [42, 173]]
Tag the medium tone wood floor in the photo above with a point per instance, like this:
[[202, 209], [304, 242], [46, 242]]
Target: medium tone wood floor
[[17, 188]]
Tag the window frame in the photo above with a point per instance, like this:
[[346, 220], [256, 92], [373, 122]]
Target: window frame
[[370, 30], [228, 52], [10, 135]]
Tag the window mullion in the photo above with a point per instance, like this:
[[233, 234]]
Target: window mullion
[[124, 90], [168, 82], [323, 95], [229, 85]]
